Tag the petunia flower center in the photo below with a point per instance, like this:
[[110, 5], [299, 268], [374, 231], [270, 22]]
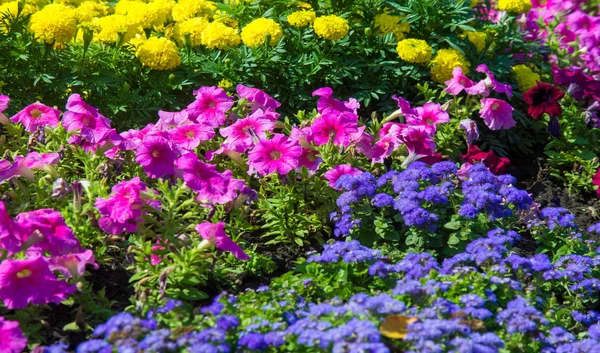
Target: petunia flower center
[[212, 104], [275, 155], [155, 153], [190, 134], [24, 273], [495, 106], [36, 113]]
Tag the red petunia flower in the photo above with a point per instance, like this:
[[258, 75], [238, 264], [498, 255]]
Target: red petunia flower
[[596, 181], [496, 164], [543, 98]]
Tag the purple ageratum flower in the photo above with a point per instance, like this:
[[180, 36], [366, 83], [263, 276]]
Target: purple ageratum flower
[[278, 154], [382, 200], [333, 175], [490, 81], [30, 281], [351, 251], [157, 157], [497, 114], [417, 266], [520, 317], [210, 106], [11, 337], [37, 115], [258, 99], [215, 234]]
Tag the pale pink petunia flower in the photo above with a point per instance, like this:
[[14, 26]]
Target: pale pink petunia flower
[[37, 115], [73, 265], [491, 82], [471, 130], [257, 98], [497, 114], [334, 174], [278, 154], [189, 136], [210, 106], [30, 281], [335, 128], [35, 160], [11, 337], [214, 234], [171, 120], [303, 136], [3, 106], [244, 133], [157, 157], [460, 82]]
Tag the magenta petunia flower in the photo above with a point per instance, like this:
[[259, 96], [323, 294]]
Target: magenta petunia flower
[[309, 159], [303, 136], [37, 115], [34, 160], [211, 185], [30, 281], [23, 166], [11, 337], [257, 98], [73, 265], [278, 154], [429, 115], [491, 82], [189, 136], [10, 232], [471, 130], [329, 105], [156, 155], [596, 181], [460, 82], [3, 102], [171, 120], [244, 133], [497, 114], [335, 128], [8, 170], [417, 139], [45, 230], [86, 119], [332, 175], [215, 235], [210, 106]]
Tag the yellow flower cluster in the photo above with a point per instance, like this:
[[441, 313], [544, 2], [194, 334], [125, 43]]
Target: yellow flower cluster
[[191, 29], [114, 28], [477, 39], [526, 78], [254, 33], [55, 23], [159, 54], [391, 24], [225, 84], [300, 19], [142, 14], [514, 6], [219, 36], [331, 27], [445, 61], [13, 7], [414, 50], [186, 9], [90, 9]]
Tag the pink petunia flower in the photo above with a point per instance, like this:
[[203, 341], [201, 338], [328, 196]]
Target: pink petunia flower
[[329, 105], [214, 234], [73, 265], [404, 106], [211, 185], [309, 159], [257, 98], [334, 174], [37, 115], [210, 106], [189, 136], [491, 82], [303, 136], [80, 116], [596, 181], [460, 82], [497, 114], [10, 232], [471, 130], [417, 139], [11, 337], [244, 133], [171, 120], [30, 281], [34, 160], [3, 105], [429, 115], [156, 155], [45, 230], [335, 128], [278, 154]]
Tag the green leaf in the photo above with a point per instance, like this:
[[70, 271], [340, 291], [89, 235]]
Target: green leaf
[[452, 225], [453, 240]]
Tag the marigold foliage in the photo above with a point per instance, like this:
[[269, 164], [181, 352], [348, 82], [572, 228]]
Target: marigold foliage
[[300, 19], [444, 63], [219, 36], [55, 23], [159, 54], [254, 33], [331, 27], [414, 50]]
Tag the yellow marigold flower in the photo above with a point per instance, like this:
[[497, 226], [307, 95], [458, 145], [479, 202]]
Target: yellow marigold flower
[[192, 29], [141, 14], [225, 84], [301, 19], [254, 33], [112, 27], [159, 54], [391, 24], [90, 9], [474, 3], [331, 27], [526, 78], [477, 39], [414, 50], [164, 8], [444, 63], [13, 7], [514, 6], [225, 18], [303, 5], [234, 3], [55, 23], [186, 9], [218, 36], [134, 43]]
